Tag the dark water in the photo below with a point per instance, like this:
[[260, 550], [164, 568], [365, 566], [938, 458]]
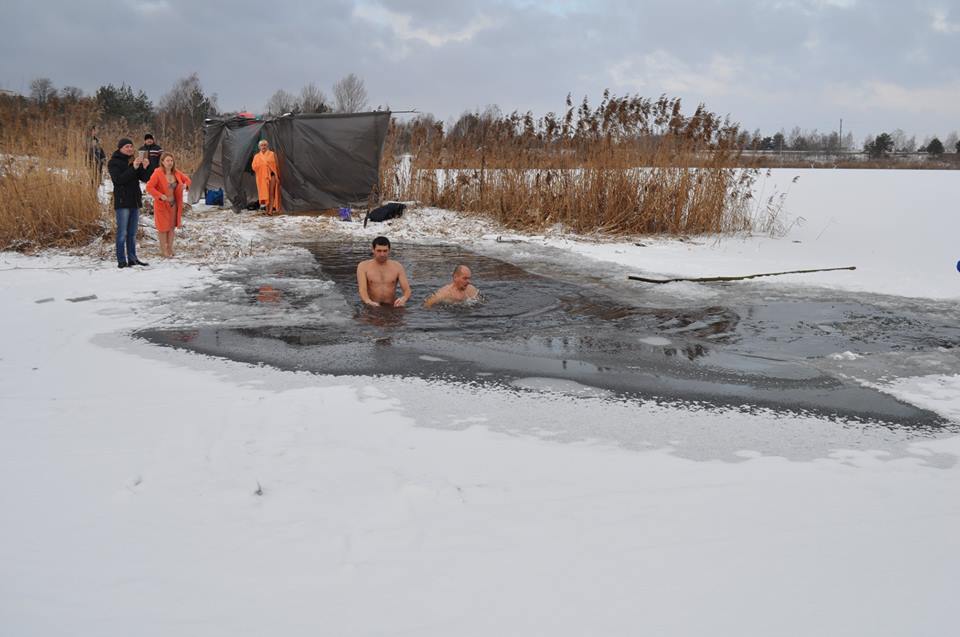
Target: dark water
[[744, 349]]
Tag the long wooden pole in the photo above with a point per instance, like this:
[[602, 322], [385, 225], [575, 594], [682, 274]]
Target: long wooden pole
[[710, 279]]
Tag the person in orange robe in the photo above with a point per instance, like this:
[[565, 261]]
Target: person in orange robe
[[268, 178], [166, 186]]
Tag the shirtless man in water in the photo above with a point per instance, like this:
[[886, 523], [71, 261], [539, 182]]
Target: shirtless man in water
[[377, 278], [456, 291]]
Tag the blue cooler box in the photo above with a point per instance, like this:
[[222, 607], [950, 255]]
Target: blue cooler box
[[214, 197]]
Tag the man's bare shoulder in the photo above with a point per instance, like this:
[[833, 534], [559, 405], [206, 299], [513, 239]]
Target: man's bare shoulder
[[440, 296]]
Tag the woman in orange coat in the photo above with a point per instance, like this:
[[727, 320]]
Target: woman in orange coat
[[268, 178], [166, 185]]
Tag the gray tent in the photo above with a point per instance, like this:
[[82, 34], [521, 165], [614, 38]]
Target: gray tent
[[325, 161]]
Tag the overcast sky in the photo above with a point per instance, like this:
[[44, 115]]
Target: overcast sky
[[770, 64]]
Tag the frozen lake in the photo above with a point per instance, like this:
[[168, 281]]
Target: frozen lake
[[554, 325]]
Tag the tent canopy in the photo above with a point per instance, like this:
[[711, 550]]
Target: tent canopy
[[325, 161]]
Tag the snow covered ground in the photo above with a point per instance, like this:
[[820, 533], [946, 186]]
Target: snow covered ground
[[152, 491]]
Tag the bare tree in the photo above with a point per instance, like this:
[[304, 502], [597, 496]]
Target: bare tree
[[185, 106], [902, 143], [71, 94], [349, 95], [282, 102], [42, 90], [475, 125], [422, 129], [951, 142], [848, 142], [797, 139], [313, 100]]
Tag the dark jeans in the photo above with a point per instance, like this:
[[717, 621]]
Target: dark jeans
[[127, 219]]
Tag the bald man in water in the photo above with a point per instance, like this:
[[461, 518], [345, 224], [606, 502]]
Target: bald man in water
[[457, 291], [377, 278]]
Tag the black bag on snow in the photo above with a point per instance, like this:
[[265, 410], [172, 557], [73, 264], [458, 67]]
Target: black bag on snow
[[387, 211]]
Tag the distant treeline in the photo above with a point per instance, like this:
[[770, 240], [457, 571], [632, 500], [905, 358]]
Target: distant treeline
[[176, 119], [875, 146], [544, 131]]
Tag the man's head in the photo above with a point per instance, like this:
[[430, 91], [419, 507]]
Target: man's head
[[148, 140], [263, 145], [461, 277], [381, 249], [125, 146]]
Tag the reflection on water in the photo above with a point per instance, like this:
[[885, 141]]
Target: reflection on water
[[690, 352], [382, 317], [184, 336], [268, 294], [309, 316]]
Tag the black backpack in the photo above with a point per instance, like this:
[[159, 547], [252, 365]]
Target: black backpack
[[387, 211]]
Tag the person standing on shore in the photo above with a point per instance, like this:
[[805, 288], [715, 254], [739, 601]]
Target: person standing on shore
[[268, 178], [127, 172], [166, 186], [97, 157], [152, 151]]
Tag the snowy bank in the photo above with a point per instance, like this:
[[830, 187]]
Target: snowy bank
[[157, 492]]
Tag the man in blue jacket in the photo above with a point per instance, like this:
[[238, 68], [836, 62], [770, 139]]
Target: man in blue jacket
[[127, 173]]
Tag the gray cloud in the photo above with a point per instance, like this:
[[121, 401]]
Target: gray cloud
[[768, 63]]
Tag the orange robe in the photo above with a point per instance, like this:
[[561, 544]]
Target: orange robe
[[268, 180], [167, 215]]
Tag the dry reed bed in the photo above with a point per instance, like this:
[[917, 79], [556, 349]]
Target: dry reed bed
[[669, 200], [47, 192], [629, 166], [48, 189]]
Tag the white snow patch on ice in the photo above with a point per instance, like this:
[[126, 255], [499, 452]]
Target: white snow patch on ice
[[656, 341], [938, 393], [845, 356], [559, 386]]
